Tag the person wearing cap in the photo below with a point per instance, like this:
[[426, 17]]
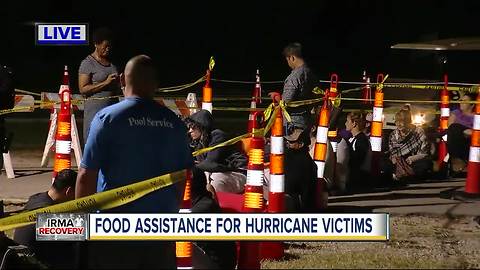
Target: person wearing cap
[[300, 173], [225, 165], [56, 255]]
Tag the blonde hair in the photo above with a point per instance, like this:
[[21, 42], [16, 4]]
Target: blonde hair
[[358, 117], [404, 115]]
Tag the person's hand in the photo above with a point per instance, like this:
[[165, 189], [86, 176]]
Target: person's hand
[[275, 96], [410, 159], [211, 189], [467, 132], [112, 78], [393, 160]]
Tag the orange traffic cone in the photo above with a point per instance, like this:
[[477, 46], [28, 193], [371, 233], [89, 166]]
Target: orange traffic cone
[[63, 138], [444, 114], [249, 253], [276, 195], [184, 250], [207, 94], [376, 129], [320, 152], [256, 99], [472, 186]]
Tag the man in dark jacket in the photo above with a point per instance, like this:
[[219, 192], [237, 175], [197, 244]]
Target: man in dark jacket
[[209, 254], [300, 174], [58, 254], [225, 165]]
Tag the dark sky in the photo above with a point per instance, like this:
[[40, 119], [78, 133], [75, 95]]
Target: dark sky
[[342, 36]]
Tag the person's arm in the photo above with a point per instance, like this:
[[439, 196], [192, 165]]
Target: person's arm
[[93, 159], [391, 145], [86, 182], [290, 89], [425, 146], [86, 86], [213, 160], [424, 150], [468, 132], [414, 158]]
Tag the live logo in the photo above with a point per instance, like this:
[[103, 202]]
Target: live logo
[[61, 34]]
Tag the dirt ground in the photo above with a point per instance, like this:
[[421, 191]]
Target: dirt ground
[[416, 242], [421, 242]]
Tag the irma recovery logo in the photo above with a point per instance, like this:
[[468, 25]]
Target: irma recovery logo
[[61, 33]]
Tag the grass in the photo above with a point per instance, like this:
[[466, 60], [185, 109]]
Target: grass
[[416, 242]]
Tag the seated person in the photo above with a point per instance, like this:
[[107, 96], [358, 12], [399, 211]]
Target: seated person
[[226, 166], [300, 173], [460, 124], [357, 162], [209, 254], [409, 148], [59, 254]]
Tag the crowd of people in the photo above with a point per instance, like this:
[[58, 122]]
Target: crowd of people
[[121, 148]]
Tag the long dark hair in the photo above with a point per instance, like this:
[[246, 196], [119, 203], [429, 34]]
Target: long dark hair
[[204, 139]]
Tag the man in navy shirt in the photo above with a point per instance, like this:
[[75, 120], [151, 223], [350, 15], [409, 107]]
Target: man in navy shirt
[[129, 142]]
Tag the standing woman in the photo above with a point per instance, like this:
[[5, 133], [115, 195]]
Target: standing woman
[[98, 78]]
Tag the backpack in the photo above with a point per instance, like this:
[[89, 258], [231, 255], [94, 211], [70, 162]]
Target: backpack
[[7, 90]]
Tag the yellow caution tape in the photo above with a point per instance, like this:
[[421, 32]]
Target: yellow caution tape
[[283, 106], [380, 85], [180, 87], [268, 111], [20, 108], [262, 131], [412, 101], [226, 143], [337, 101], [472, 89], [211, 64], [27, 92], [299, 103], [101, 201], [246, 82]]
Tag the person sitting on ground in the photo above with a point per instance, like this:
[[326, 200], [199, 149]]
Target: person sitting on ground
[[360, 153], [209, 254], [300, 174], [460, 124], [408, 148], [225, 165], [57, 255]]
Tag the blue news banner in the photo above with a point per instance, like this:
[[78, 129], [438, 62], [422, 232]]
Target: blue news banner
[[184, 227]]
